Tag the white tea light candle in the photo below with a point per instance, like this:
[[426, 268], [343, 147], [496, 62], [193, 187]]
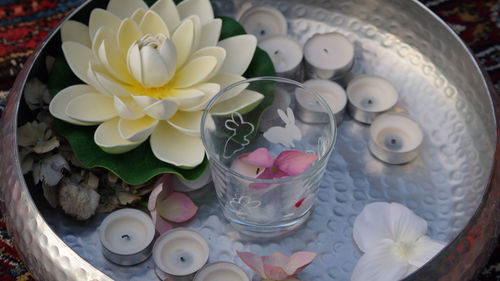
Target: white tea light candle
[[183, 185], [127, 236], [264, 21], [395, 138], [369, 96], [334, 95], [221, 271], [180, 253], [286, 54], [328, 56]]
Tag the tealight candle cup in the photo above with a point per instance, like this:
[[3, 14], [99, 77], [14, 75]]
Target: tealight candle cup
[[395, 138], [127, 236], [258, 204], [178, 254], [328, 56], [221, 271], [309, 111], [369, 96], [263, 22], [286, 55]]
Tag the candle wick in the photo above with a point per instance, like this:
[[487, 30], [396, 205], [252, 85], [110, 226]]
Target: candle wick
[[126, 236], [393, 141], [262, 32], [182, 259], [325, 50], [370, 101], [276, 52]]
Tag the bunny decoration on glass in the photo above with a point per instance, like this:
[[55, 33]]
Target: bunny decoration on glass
[[284, 135], [240, 128]]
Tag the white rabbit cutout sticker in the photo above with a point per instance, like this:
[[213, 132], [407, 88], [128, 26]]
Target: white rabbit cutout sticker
[[284, 135]]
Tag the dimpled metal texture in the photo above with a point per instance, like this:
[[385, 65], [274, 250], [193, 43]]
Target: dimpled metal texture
[[440, 86]]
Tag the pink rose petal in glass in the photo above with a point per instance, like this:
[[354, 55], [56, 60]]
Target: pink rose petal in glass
[[177, 207], [294, 162], [260, 158]]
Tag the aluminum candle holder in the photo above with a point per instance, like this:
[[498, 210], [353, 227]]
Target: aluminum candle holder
[[328, 56], [395, 138], [221, 271], [264, 21], [127, 236], [178, 254], [286, 54], [369, 96]]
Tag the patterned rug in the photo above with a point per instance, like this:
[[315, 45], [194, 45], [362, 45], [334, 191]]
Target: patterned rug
[[24, 23]]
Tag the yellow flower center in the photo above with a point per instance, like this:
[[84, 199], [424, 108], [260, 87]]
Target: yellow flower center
[[404, 250]]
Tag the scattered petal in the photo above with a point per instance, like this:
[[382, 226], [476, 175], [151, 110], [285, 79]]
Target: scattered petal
[[294, 162], [372, 226], [425, 249], [177, 207], [277, 266], [161, 224], [379, 264], [406, 226], [253, 261]]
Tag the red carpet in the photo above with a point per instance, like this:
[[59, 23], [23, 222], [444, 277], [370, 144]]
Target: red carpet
[[23, 24]]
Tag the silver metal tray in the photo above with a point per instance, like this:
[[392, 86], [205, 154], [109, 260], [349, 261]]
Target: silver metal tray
[[440, 86]]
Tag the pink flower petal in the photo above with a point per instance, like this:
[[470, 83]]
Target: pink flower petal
[[161, 225], [275, 273], [163, 188], [253, 261], [299, 261], [260, 158], [294, 162], [245, 169], [153, 197], [268, 174], [177, 207]]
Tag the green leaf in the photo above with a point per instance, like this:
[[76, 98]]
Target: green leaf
[[140, 165], [230, 28]]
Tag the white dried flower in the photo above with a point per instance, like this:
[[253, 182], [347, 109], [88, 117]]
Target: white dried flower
[[36, 94], [50, 169], [78, 201], [36, 135]]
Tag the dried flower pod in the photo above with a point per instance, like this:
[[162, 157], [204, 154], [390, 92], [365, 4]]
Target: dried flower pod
[[78, 201]]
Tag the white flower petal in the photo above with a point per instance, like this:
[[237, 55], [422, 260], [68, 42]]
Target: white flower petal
[[137, 130], [128, 33], [197, 31], [162, 109], [187, 122], [94, 81], [125, 8], [210, 90], [144, 101], [424, 250], [113, 62], [201, 8], [77, 32], [138, 15], [195, 71], [78, 57], [91, 107], [372, 225], [405, 225], [380, 264], [210, 33], [187, 97], [183, 39], [108, 138], [169, 54], [111, 85], [134, 62], [155, 71], [168, 12], [102, 18], [225, 80], [171, 146], [60, 102], [240, 50], [153, 24], [242, 103], [103, 33], [127, 108], [216, 52]]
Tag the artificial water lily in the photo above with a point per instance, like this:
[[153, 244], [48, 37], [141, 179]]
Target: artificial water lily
[[167, 207], [149, 72], [277, 266], [393, 240]]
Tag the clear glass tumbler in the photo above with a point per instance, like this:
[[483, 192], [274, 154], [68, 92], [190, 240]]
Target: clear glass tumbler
[[264, 114]]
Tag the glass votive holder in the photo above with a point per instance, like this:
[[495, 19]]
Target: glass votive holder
[[395, 138], [264, 199]]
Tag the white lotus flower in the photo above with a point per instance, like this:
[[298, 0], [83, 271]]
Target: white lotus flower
[[394, 243], [149, 73]]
